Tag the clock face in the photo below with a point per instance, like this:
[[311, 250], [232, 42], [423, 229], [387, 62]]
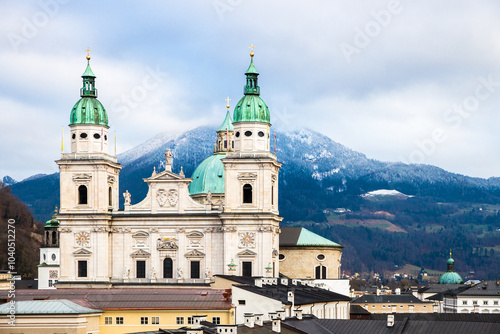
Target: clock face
[[82, 239], [247, 239]]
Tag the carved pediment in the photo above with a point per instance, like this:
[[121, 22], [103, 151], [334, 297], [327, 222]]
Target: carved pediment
[[165, 176], [247, 176], [82, 252], [82, 177], [141, 253], [194, 253], [195, 234], [141, 234], [247, 253]]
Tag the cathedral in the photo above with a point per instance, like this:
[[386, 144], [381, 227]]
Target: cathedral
[[224, 220]]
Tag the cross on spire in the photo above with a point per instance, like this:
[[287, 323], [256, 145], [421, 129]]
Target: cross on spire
[[227, 100], [251, 47], [88, 52]]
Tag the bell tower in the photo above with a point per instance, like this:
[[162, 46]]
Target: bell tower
[[88, 190], [251, 217]]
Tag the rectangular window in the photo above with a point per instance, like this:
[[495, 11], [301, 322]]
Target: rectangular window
[[119, 321], [108, 320], [247, 269], [155, 320], [144, 320], [464, 302], [485, 302], [190, 320], [216, 320], [141, 269], [179, 320], [241, 302], [495, 302], [50, 283], [474, 302], [195, 269], [82, 268], [225, 143]]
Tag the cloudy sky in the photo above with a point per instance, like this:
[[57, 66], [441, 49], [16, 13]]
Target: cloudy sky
[[411, 81]]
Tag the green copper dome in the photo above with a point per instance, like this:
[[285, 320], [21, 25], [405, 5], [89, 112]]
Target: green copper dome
[[209, 175], [251, 108], [88, 110], [227, 125], [450, 276], [53, 222]]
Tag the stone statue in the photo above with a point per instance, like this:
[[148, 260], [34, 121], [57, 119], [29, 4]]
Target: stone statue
[[179, 273], [152, 274], [181, 173], [127, 197], [168, 157], [209, 197], [207, 273]]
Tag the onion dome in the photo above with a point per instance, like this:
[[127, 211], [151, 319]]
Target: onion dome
[[88, 110], [251, 107], [208, 176], [450, 276]]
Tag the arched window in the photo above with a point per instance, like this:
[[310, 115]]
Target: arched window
[[168, 266], [247, 193], [320, 272], [110, 196], [82, 195], [54, 238]]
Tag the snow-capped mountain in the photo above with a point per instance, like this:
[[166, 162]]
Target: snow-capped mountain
[[8, 181], [317, 174]]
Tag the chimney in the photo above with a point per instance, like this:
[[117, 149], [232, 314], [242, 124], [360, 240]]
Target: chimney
[[390, 320], [258, 282], [294, 282], [249, 320], [378, 291], [291, 298], [284, 281], [197, 319], [398, 291], [259, 319], [298, 314], [272, 315], [274, 281], [226, 329], [277, 325], [281, 314]]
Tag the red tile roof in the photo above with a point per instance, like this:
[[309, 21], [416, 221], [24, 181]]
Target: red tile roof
[[120, 299]]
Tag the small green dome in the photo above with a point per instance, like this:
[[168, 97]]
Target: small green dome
[[88, 110], [251, 108], [53, 222], [209, 175], [450, 278], [450, 261]]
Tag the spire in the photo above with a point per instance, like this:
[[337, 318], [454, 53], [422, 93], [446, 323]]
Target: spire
[[227, 125], [251, 87], [88, 89], [450, 264]]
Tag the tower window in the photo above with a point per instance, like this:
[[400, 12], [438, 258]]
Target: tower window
[[97, 136], [83, 135], [261, 134], [248, 133], [105, 137], [247, 193], [82, 194], [237, 134], [82, 268], [110, 196], [232, 144], [320, 272], [73, 136], [225, 143]]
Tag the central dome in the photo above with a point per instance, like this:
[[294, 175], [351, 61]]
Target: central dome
[[209, 175]]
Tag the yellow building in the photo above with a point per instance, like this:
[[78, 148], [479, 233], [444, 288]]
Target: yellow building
[[142, 309], [405, 303]]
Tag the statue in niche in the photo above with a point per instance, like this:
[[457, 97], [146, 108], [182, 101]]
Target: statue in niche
[[126, 273], [208, 274], [152, 274]]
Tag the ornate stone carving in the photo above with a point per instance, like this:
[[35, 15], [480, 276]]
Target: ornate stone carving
[[120, 230], [100, 229], [274, 177], [265, 228], [141, 253], [82, 239], [111, 179], [228, 229], [167, 243], [82, 178], [127, 197], [247, 176], [180, 230], [153, 230], [163, 197], [65, 229], [195, 253]]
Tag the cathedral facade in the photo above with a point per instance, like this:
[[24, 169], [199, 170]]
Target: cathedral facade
[[223, 220]]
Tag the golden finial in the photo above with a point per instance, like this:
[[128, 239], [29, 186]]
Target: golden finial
[[251, 47], [227, 100], [450, 253], [88, 53]]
